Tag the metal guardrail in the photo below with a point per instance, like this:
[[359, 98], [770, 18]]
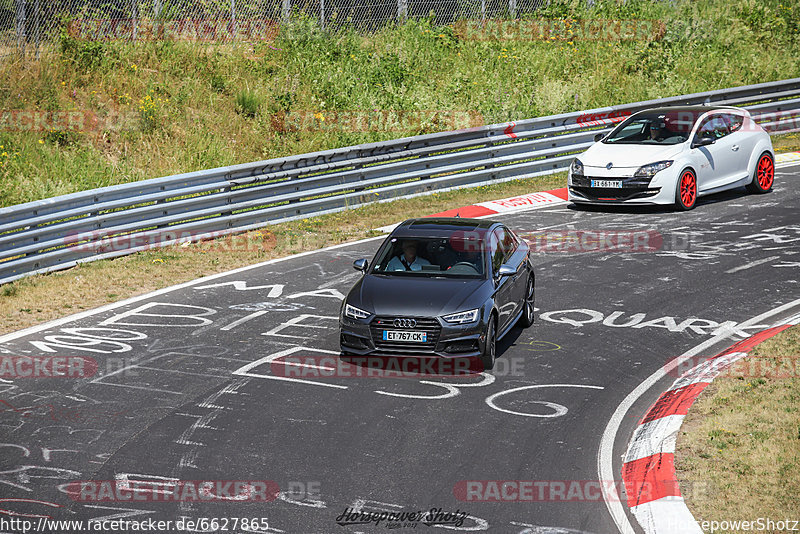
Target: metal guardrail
[[60, 232]]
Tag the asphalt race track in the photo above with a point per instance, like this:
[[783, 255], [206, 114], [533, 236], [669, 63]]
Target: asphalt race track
[[185, 387]]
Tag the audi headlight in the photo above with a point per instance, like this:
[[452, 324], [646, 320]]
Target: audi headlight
[[462, 317], [355, 313], [650, 170], [576, 167]]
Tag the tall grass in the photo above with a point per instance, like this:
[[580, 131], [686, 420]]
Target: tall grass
[[168, 107]]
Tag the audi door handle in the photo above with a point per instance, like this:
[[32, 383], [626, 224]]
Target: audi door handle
[[735, 148]]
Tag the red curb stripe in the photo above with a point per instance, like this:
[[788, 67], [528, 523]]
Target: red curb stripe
[[480, 211], [674, 402], [748, 344], [653, 477], [560, 193], [650, 478]]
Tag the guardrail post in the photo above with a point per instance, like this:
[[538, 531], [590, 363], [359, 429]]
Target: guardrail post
[[286, 10], [226, 191], [156, 14], [163, 212], [402, 10], [233, 21], [21, 24], [322, 13], [483, 10], [37, 32], [134, 18], [512, 8], [96, 237]]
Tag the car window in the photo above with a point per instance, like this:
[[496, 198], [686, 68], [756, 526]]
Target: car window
[[714, 126], [649, 128], [632, 131], [734, 121], [458, 256], [496, 250], [502, 247], [509, 244]]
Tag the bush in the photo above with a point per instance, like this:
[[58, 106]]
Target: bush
[[85, 54], [248, 103]]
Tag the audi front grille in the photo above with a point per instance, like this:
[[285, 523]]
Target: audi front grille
[[421, 324]]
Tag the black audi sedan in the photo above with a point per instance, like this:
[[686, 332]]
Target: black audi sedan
[[448, 287]]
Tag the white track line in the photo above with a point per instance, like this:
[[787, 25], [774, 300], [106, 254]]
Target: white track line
[[751, 264]]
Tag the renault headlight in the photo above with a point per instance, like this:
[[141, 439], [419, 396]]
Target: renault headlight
[[650, 170], [576, 167]]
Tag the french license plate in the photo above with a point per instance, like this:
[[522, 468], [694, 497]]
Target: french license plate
[[607, 183], [401, 335]]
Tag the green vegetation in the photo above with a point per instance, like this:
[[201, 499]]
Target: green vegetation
[[159, 108]]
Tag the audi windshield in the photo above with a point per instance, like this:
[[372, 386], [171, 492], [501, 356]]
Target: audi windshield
[[432, 257]]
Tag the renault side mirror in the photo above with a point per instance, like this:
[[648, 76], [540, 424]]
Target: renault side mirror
[[704, 141]]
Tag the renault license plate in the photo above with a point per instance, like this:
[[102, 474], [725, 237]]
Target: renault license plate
[[616, 184]]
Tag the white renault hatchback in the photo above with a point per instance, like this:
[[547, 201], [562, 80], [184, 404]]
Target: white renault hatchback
[[674, 155]]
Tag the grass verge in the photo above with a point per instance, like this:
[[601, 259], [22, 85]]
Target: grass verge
[[37, 299], [786, 142], [741, 439]]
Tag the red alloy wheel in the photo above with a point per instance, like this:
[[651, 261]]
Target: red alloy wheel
[[688, 189], [765, 172]]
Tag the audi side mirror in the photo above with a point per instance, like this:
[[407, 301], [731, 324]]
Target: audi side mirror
[[361, 265], [506, 270], [598, 137]]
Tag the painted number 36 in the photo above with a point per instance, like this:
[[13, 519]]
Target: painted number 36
[[449, 390]]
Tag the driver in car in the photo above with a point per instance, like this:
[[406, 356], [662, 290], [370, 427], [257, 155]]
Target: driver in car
[[473, 257], [658, 131], [408, 260], [467, 250]]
